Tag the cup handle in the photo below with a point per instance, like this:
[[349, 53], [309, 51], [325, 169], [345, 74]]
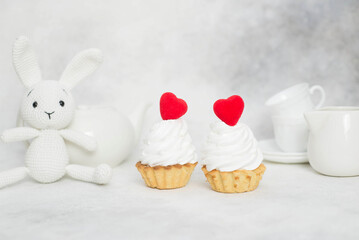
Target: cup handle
[[318, 88]]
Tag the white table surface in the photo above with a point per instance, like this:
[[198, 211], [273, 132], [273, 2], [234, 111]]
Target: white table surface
[[291, 202]]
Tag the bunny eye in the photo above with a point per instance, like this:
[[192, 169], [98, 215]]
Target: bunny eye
[[62, 103], [34, 104]]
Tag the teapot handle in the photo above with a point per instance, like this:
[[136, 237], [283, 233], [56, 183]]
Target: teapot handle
[[318, 88]]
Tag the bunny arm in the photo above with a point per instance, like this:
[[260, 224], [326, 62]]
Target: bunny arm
[[19, 134], [87, 142]]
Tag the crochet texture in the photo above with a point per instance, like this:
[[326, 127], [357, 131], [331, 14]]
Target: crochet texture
[[47, 109]]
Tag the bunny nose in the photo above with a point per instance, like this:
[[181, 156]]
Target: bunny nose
[[49, 114]]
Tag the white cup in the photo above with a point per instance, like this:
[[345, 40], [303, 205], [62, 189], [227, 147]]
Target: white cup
[[294, 101], [291, 134], [287, 108]]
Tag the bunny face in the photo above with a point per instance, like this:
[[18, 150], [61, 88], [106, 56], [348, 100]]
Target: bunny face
[[48, 105]]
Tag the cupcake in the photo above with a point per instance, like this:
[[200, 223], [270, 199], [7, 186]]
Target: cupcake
[[232, 160], [168, 157]]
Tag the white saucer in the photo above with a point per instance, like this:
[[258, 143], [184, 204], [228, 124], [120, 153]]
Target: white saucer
[[271, 152]]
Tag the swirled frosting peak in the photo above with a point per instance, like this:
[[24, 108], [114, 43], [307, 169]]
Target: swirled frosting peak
[[168, 143], [231, 148]]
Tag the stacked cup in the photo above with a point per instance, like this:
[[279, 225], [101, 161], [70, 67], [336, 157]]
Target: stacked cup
[[287, 108]]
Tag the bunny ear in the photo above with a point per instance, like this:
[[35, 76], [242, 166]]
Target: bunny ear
[[25, 62], [82, 65]]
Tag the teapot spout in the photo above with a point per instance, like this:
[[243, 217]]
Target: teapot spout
[[137, 118]]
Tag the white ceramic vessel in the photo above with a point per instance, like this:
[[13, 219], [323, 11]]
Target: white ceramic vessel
[[333, 145], [115, 134], [287, 108], [291, 134], [294, 101], [271, 152]]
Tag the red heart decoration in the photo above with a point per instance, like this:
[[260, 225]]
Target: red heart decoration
[[172, 107], [229, 110]]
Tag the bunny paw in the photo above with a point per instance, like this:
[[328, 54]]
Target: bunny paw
[[103, 174]]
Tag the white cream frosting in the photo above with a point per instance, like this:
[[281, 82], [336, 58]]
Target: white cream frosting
[[168, 143], [231, 148]]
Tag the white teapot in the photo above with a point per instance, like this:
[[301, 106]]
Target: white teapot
[[115, 133], [333, 145]]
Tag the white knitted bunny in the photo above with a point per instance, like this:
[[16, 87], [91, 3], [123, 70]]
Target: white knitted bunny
[[48, 108]]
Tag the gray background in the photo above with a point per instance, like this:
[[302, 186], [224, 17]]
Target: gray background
[[202, 51]]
